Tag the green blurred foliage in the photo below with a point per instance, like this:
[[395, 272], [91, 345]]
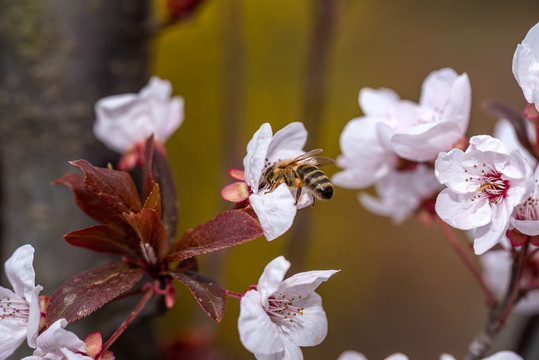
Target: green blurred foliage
[[401, 289]]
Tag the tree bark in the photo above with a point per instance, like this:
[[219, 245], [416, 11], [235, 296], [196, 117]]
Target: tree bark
[[56, 59]]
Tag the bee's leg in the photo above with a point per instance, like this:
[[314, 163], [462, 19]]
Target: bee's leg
[[274, 183], [314, 200], [298, 194], [298, 185]]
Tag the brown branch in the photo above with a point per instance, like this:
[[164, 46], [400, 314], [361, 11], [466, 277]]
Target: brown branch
[[498, 314]]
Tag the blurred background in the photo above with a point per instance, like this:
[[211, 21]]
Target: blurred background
[[239, 64]]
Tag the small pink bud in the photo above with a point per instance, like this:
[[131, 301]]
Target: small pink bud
[[237, 174], [235, 192], [93, 343]]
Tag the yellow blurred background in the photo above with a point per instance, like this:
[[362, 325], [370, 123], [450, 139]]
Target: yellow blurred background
[[401, 288]]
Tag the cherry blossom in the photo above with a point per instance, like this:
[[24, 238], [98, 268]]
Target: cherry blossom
[[526, 65], [354, 355], [56, 343], [19, 309], [401, 193], [501, 355], [276, 209], [484, 185], [125, 121], [277, 317], [392, 128]]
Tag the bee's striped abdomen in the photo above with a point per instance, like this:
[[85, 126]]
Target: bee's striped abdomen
[[316, 181]]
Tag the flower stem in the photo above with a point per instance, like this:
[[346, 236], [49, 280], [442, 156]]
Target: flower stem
[[457, 246], [233, 294], [148, 293], [499, 313]]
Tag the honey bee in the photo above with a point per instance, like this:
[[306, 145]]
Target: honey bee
[[301, 172]]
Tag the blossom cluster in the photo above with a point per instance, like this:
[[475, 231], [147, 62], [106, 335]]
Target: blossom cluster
[[416, 155]]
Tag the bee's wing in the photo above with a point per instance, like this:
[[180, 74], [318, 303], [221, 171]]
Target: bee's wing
[[307, 155], [321, 160], [311, 158]]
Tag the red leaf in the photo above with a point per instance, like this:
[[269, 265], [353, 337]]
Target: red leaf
[[115, 189], [86, 292], [157, 170], [87, 201], [153, 201], [100, 238], [147, 179], [149, 229], [227, 229], [207, 292]]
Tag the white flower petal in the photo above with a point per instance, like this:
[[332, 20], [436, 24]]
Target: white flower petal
[[485, 143], [275, 211], [258, 333], [271, 278], [58, 343], [311, 327], [528, 227], [488, 235], [458, 104], [366, 158], [424, 142], [254, 161], [20, 271], [526, 66], [34, 316], [447, 357], [377, 102], [351, 355], [292, 137], [504, 355], [436, 88], [397, 356], [12, 335], [126, 119], [459, 211], [305, 283], [291, 350]]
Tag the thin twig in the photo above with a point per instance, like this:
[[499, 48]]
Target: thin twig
[[145, 298], [474, 270]]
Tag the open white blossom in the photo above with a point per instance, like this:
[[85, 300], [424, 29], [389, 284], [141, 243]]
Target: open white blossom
[[56, 343], [129, 119], [280, 316], [526, 65], [19, 309], [484, 185], [275, 210], [354, 355], [392, 128]]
